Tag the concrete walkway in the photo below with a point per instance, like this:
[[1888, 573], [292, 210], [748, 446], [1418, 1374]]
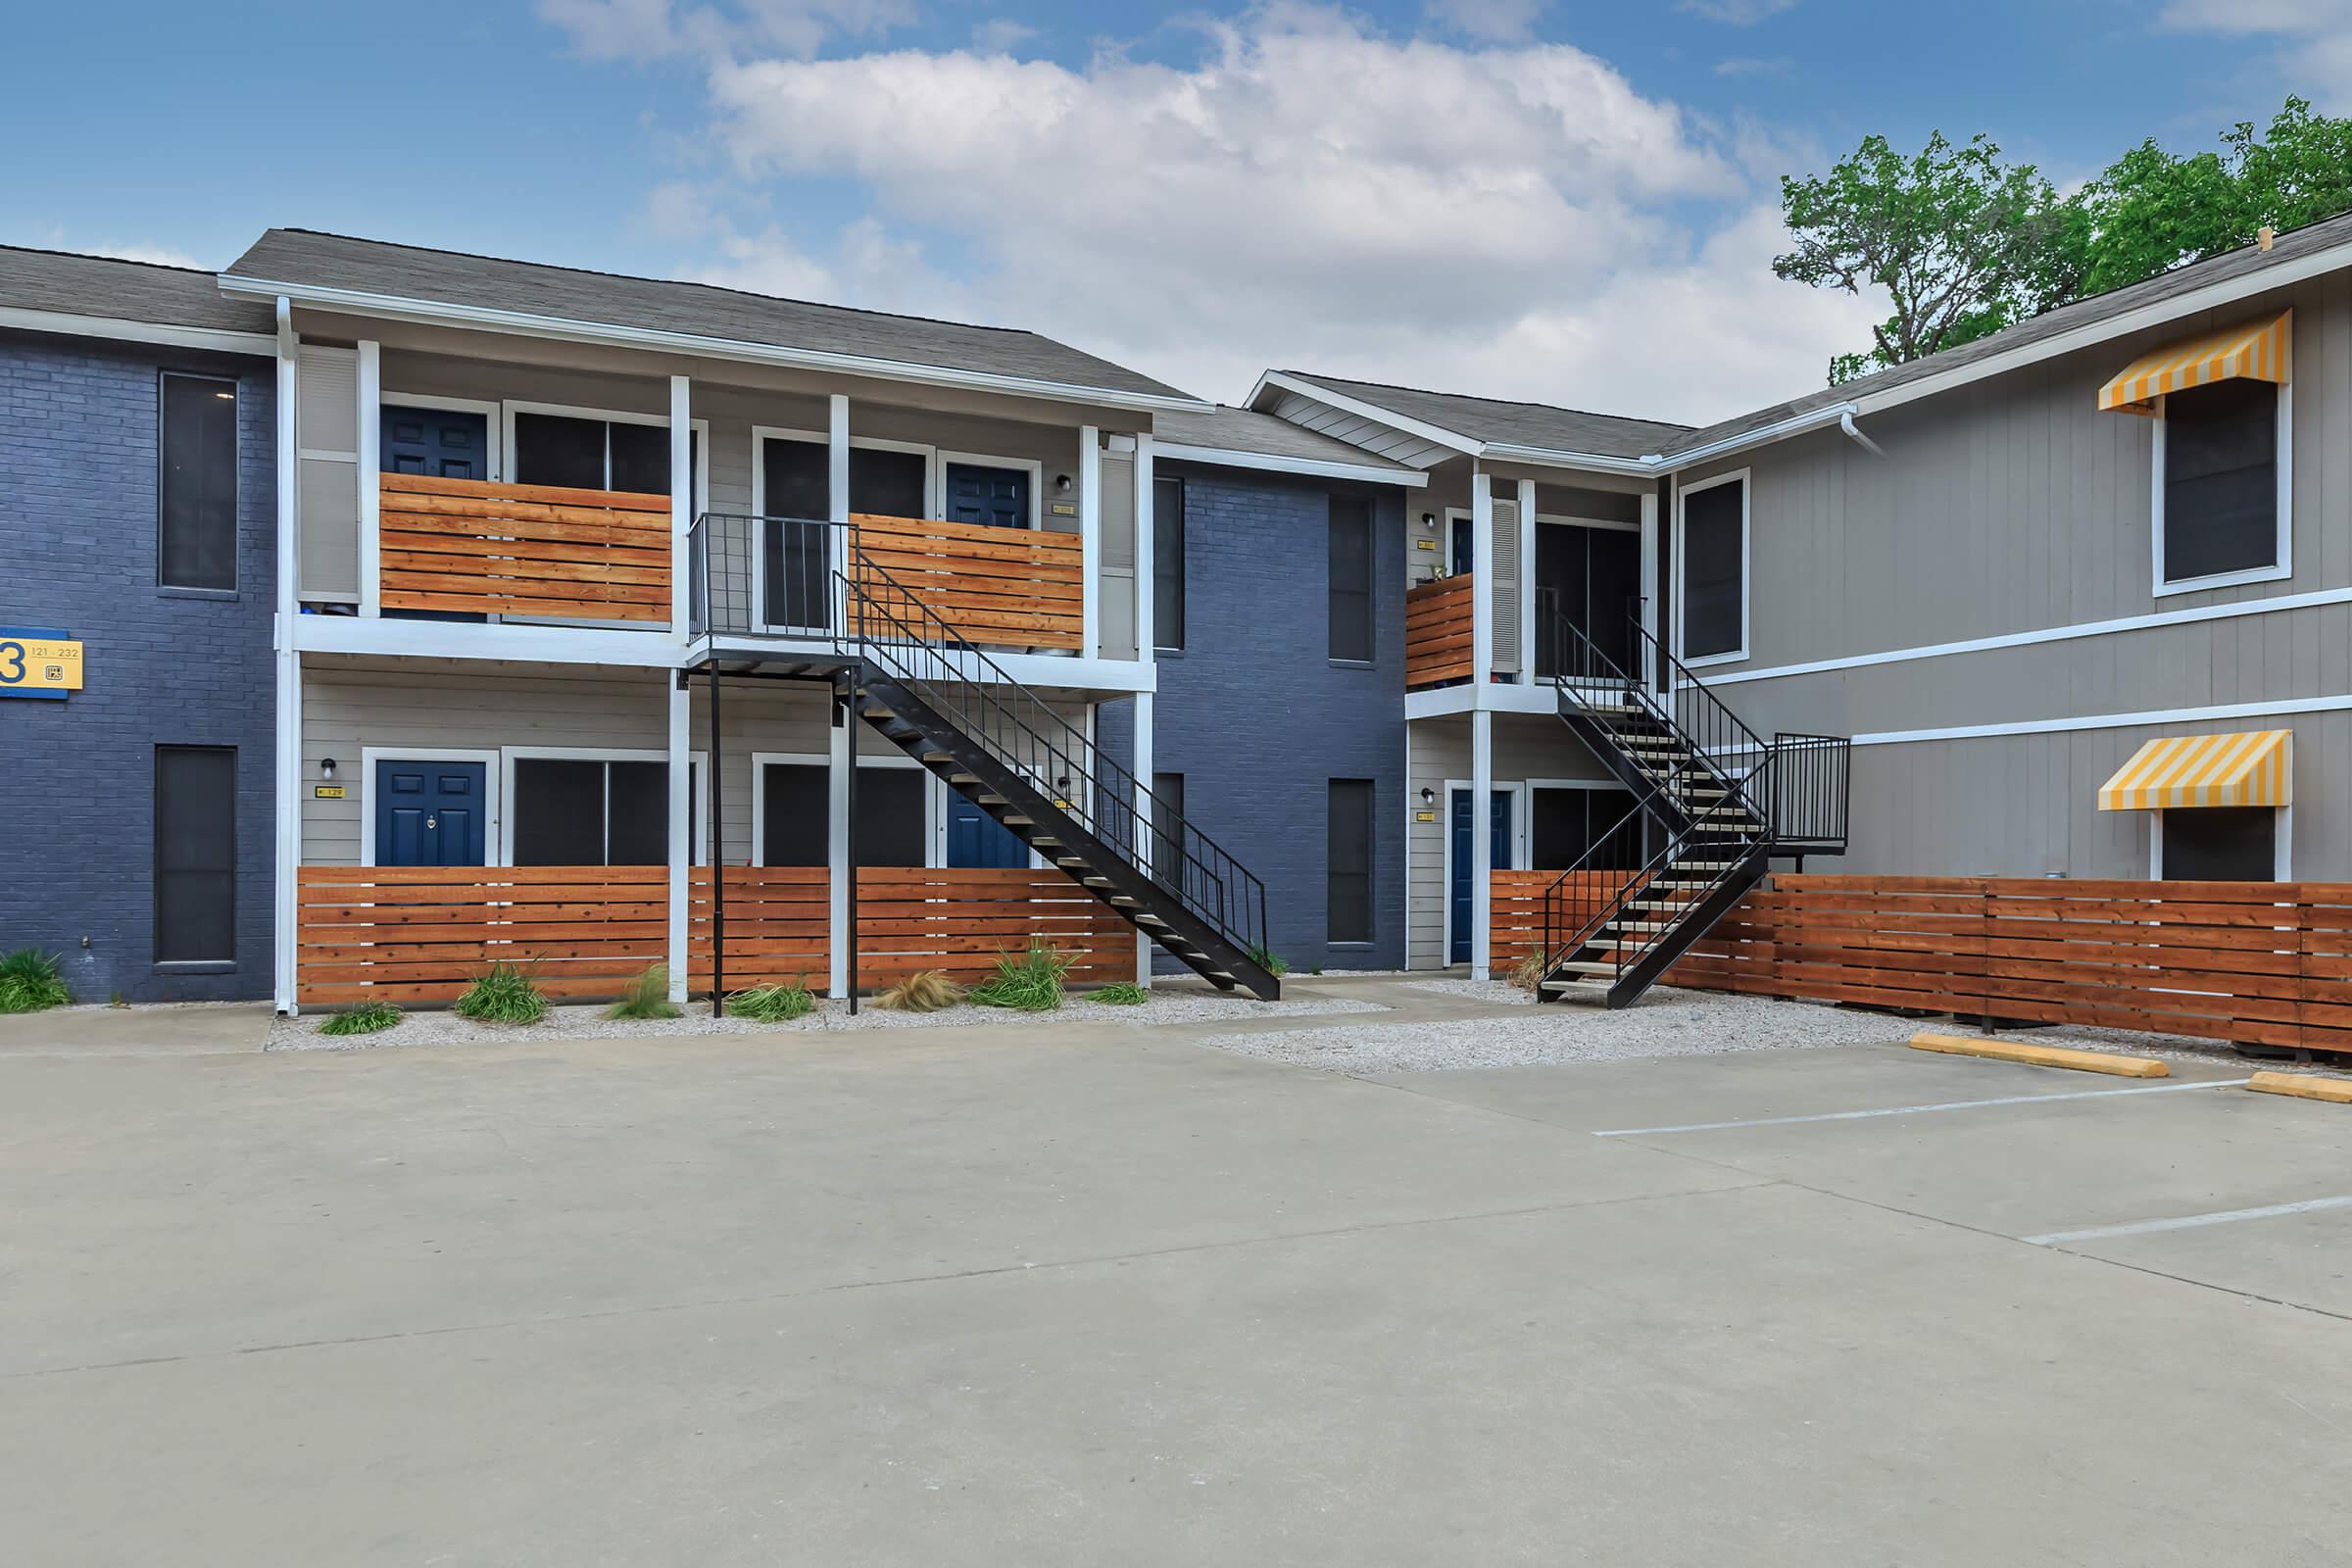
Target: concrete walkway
[[1088, 1296]]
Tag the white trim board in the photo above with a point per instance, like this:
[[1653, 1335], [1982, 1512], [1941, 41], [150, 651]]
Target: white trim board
[[2283, 541], [65, 323], [1313, 467], [2151, 716], [1747, 575]]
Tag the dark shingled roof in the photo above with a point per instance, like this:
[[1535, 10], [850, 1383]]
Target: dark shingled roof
[[302, 258], [2284, 248], [1244, 431], [70, 284], [1496, 420]]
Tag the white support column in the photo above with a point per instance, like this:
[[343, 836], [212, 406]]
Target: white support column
[[681, 838], [288, 769], [371, 471], [1481, 586], [682, 505], [1652, 609], [1090, 540], [837, 498], [1527, 580], [841, 756], [1143, 820], [1482, 839]]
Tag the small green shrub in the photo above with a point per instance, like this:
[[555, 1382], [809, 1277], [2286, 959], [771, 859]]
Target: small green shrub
[[368, 1018], [1266, 958], [926, 992], [29, 982], [646, 996], [503, 993], [778, 1003], [1120, 993], [1026, 982]]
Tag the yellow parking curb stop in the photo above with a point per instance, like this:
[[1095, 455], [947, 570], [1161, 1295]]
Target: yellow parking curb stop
[[2043, 1055]]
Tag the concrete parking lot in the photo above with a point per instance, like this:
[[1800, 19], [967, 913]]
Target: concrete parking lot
[[1086, 1295]]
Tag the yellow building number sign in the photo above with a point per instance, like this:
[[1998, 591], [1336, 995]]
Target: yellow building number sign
[[38, 662]]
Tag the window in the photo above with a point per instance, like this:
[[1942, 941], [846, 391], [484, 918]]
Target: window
[[592, 453], [2218, 844], [1715, 570], [1571, 823], [1167, 563], [2220, 509], [1167, 832], [196, 485], [572, 811], [1347, 860], [195, 853], [795, 814], [1349, 582]]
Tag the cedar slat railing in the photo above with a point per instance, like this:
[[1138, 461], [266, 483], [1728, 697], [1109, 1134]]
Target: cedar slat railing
[[1438, 632], [421, 934], [1515, 910], [998, 587], [2257, 963], [470, 546]]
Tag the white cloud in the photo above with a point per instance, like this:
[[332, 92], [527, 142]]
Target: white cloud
[[1523, 229], [1736, 13], [1500, 20], [160, 255], [2316, 36]]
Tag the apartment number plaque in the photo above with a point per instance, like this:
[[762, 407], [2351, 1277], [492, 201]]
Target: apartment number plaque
[[40, 661]]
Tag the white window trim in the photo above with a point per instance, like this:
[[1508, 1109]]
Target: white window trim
[[2283, 845], [935, 801], [509, 755], [2285, 545], [1682, 577], [371, 756], [981, 459], [1519, 830]]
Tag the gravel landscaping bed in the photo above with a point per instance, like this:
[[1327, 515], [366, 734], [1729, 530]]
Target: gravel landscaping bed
[[1667, 1022], [444, 1028], [1495, 990]]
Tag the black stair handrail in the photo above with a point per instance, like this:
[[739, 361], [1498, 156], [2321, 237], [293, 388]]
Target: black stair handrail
[[1572, 920], [893, 630], [1809, 783]]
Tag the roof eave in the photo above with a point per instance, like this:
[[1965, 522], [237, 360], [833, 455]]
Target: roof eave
[[1275, 463], [354, 302], [1435, 435]]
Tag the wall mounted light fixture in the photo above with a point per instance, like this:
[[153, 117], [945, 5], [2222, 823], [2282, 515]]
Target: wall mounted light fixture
[[326, 767], [1429, 797]]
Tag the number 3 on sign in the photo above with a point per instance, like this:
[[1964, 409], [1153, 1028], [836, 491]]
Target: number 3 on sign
[[38, 662]]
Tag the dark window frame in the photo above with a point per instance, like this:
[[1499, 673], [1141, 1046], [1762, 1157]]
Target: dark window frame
[[1742, 576], [2275, 837], [236, 478], [511, 459], [1333, 593], [2277, 468], [1170, 564], [1368, 792], [158, 871], [872, 767], [510, 802]]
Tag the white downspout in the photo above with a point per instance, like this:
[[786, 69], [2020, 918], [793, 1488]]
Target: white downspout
[[289, 664], [1845, 423]]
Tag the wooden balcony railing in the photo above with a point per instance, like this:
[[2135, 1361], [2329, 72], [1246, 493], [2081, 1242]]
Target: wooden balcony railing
[[1000, 587], [1438, 632], [470, 546]]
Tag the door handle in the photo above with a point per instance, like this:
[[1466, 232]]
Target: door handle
[[431, 822]]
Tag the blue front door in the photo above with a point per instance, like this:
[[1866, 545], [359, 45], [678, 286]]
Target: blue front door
[[1463, 558], [1465, 852], [975, 838], [996, 497], [430, 814], [446, 443]]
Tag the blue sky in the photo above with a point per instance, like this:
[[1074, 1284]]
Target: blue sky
[[1567, 200]]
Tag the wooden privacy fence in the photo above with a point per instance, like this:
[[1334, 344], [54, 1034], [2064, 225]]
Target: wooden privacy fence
[[523, 549], [421, 934], [1515, 910], [1002, 587], [1438, 632], [2250, 962]]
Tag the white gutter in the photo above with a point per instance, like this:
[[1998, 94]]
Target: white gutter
[[1845, 423], [1594, 462], [68, 325], [352, 301], [1317, 468]]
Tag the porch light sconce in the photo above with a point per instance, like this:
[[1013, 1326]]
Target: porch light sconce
[[1062, 484], [1062, 784], [326, 767], [1429, 521], [1429, 797]]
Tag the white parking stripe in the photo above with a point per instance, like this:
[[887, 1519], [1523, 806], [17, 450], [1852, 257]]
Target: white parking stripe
[[1914, 1110], [2189, 1222]]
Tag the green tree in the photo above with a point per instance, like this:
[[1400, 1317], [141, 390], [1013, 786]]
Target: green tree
[[1965, 243]]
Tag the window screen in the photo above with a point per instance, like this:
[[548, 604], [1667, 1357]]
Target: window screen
[[1571, 823], [195, 853], [588, 454], [797, 816], [887, 484], [1167, 563], [2221, 480], [1349, 582], [1347, 860], [796, 484], [2221, 843], [196, 487], [1714, 613], [587, 812]]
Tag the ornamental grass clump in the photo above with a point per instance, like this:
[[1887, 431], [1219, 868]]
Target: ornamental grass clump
[[776, 1004], [1030, 981], [29, 982], [646, 996], [928, 990], [1266, 958], [367, 1019], [1120, 993], [503, 993]]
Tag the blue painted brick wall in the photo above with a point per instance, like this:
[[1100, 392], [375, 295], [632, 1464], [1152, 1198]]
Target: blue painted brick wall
[[1256, 716], [78, 551]]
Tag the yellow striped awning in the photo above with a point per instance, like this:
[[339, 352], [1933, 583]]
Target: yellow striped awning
[[2258, 351], [2185, 770]]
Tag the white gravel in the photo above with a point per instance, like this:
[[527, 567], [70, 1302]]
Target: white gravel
[[444, 1028], [1495, 991], [1667, 1022]]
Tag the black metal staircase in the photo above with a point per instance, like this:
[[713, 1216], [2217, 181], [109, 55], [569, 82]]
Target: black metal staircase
[[1714, 804]]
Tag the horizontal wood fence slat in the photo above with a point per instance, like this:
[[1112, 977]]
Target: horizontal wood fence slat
[[420, 935], [1437, 630], [1001, 587], [2248, 963], [525, 549]]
